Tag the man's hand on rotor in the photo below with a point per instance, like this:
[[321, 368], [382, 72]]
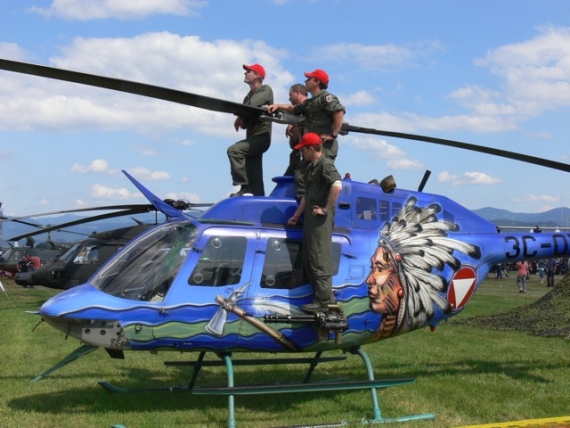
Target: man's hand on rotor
[[239, 123]]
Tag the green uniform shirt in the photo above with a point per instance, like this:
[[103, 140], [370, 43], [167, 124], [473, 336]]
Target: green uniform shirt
[[319, 111], [319, 177], [263, 96]]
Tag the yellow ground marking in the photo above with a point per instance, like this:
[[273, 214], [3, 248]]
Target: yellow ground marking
[[558, 422]]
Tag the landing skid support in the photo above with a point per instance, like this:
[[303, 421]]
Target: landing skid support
[[79, 352], [370, 374], [375, 405]]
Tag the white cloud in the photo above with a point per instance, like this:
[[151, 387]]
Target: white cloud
[[213, 69], [537, 198], [481, 178], [467, 178], [101, 191], [185, 196], [405, 163], [376, 57], [536, 72], [146, 151], [145, 174], [380, 149], [85, 10], [11, 50], [96, 166], [359, 98], [538, 135]]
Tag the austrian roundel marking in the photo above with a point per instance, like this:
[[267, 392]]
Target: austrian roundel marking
[[462, 287]]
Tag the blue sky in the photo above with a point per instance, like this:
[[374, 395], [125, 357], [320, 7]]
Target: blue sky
[[494, 73]]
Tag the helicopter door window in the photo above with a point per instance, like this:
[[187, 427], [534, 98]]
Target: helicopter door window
[[384, 211], [366, 209], [221, 262], [396, 208], [283, 263]]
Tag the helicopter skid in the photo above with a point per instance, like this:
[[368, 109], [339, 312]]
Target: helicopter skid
[[118, 390], [305, 386]]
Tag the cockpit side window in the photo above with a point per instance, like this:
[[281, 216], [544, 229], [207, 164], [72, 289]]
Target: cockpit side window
[[282, 267], [89, 254], [221, 262], [283, 263]]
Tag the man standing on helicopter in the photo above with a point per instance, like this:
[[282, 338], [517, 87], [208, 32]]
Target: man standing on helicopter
[[323, 114], [323, 186], [246, 156]]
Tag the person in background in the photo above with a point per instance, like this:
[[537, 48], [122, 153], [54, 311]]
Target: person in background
[[550, 269], [499, 273], [522, 272], [540, 266]]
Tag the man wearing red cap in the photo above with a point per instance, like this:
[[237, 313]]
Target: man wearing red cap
[[323, 186], [246, 155], [324, 115]]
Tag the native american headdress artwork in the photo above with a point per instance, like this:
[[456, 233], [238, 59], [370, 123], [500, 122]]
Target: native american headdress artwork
[[420, 246]]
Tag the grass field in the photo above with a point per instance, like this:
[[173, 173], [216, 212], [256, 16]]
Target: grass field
[[465, 375]]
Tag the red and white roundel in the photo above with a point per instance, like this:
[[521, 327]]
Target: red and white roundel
[[462, 287]]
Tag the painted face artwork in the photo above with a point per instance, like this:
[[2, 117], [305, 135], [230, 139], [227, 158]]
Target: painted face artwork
[[384, 287], [415, 261]]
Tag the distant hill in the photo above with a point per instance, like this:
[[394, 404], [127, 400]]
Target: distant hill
[[557, 217]]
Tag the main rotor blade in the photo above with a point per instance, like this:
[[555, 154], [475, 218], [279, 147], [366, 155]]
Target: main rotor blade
[[148, 207], [215, 104], [82, 221], [146, 90], [27, 223], [482, 149]]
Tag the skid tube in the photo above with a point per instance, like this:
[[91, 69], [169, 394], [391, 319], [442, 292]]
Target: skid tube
[[231, 391]]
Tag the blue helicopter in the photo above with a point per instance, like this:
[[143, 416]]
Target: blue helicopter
[[232, 282]]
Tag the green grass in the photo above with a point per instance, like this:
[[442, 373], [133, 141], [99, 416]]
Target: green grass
[[465, 375]]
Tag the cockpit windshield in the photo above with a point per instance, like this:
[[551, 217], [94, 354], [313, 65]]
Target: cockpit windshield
[[71, 253], [9, 255], [145, 269]]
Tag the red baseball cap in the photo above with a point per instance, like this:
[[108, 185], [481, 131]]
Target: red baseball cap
[[309, 139], [255, 67], [320, 75]]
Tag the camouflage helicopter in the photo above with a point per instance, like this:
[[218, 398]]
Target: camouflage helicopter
[[15, 259], [231, 282], [79, 262]]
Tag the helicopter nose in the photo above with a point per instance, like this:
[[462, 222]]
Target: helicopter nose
[[78, 312], [108, 334]]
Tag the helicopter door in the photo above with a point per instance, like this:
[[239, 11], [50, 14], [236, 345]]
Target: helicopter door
[[217, 276]]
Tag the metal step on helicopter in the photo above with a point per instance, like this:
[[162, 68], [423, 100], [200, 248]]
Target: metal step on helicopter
[[231, 281]]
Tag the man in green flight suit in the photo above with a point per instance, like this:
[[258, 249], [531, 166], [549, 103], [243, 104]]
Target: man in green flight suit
[[246, 155], [323, 186], [323, 114]]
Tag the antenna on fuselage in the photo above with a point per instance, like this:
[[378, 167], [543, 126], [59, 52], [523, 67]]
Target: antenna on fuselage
[[424, 180]]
